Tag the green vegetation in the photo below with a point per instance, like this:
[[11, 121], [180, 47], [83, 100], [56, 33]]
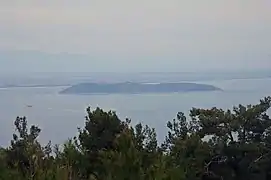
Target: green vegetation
[[212, 144]]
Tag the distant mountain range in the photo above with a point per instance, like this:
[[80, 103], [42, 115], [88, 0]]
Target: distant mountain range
[[69, 79], [13, 62]]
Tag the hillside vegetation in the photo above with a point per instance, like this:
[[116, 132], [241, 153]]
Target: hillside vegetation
[[212, 144]]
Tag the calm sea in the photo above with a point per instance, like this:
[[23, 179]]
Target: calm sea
[[60, 115]]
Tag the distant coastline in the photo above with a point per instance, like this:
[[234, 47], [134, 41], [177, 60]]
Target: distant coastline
[[34, 86], [136, 88]]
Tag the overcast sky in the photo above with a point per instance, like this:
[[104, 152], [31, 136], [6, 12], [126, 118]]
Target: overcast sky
[[138, 35]]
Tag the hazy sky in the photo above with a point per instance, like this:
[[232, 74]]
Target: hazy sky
[[139, 35]]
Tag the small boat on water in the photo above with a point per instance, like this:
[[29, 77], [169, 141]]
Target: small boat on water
[[30, 106]]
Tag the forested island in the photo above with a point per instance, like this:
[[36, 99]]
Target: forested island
[[136, 88], [108, 148]]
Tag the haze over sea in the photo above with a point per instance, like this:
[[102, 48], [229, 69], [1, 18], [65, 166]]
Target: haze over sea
[[59, 115], [128, 36]]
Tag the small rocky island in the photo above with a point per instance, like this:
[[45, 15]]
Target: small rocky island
[[136, 88]]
